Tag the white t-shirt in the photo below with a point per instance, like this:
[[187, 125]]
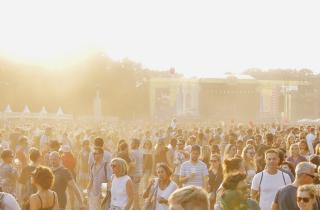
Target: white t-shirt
[[165, 194], [310, 139], [269, 186], [200, 169], [8, 202]]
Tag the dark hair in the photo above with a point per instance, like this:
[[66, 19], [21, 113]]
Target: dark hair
[[215, 148], [291, 167], [54, 145], [272, 151], [99, 150], [315, 159], [195, 148], [135, 142], [232, 180], [98, 142], [43, 176], [269, 137], [165, 167], [123, 146], [34, 154], [232, 164]]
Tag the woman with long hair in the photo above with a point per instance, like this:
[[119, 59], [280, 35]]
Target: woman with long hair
[[248, 155], [304, 150], [215, 177], [45, 198], [161, 188], [205, 155], [294, 155]]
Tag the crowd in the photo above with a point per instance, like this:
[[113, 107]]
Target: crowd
[[178, 166]]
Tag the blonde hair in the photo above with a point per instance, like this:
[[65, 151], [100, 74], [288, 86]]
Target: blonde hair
[[227, 149], [205, 153], [190, 198], [122, 165], [309, 188], [251, 164]]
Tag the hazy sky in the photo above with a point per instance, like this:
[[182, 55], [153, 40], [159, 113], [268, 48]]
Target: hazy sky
[[195, 37]]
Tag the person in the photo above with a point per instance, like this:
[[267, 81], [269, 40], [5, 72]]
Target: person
[[231, 200], [147, 161], [306, 197], [205, 155], [180, 156], [8, 202], [194, 171], [294, 155], [233, 165], [8, 173], [121, 186], [260, 151], [304, 175], [137, 154], [25, 177], [304, 150], [215, 177], [238, 183], [99, 173], [248, 155], [98, 142], [161, 188], [161, 153], [265, 184], [22, 152], [44, 199], [63, 179], [229, 151], [310, 138], [83, 165], [189, 198]]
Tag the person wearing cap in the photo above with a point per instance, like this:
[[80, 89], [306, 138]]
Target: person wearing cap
[[284, 199], [8, 174]]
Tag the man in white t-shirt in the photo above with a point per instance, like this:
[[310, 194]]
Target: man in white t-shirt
[[310, 139], [194, 171], [8, 202], [269, 181]]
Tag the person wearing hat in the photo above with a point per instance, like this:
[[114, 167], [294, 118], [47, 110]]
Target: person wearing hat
[[8, 174]]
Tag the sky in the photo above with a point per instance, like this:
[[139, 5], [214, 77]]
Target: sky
[[197, 38]]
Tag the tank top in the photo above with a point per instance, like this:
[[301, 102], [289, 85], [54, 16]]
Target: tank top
[[119, 196], [48, 208]]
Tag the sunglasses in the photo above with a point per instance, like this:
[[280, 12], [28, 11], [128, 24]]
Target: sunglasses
[[304, 199], [113, 165], [312, 176]]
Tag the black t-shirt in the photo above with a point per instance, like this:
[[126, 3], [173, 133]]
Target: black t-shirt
[[61, 180], [285, 198]]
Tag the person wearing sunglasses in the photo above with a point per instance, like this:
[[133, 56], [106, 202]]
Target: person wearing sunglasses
[[304, 175], [306, 198]]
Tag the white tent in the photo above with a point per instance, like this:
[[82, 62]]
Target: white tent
[[8, 109], [43, 110], [60, 111], [26, 110]]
